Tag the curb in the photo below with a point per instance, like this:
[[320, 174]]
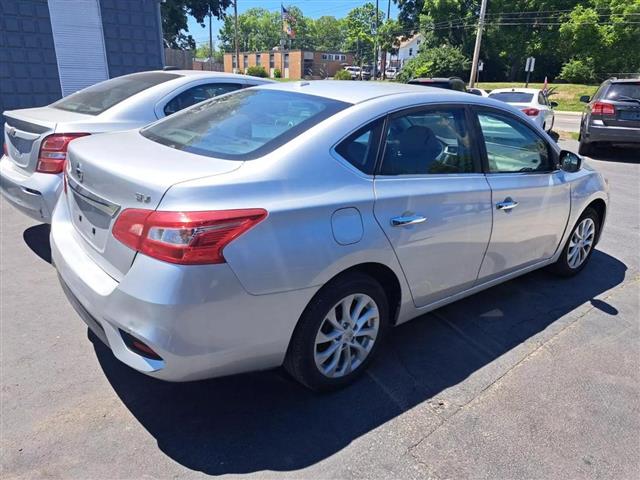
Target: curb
[[577, 114]]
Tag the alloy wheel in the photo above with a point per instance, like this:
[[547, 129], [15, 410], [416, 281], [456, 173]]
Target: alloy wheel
[[347, 335], [581, 243]]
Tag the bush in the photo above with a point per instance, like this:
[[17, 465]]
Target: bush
[[277, 73], [257, 71], [578, 71], [342, 75], [443, 61]]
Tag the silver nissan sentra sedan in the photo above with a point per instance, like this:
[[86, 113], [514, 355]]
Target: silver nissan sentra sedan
[[294, 224], [36, 139]]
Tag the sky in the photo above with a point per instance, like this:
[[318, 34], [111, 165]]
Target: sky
[[310, 8]]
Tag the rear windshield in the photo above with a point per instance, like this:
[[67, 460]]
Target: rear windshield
[[242, 125], [623, 91], [104, 95], [512, 97], [426, 83]]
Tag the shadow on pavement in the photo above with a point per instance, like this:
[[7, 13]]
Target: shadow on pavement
[[617, 153], [37, 239], [265, 421]]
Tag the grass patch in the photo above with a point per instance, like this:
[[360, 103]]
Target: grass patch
[[566, 94]]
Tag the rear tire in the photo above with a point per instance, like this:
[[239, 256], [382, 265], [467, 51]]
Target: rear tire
[[586, 148], [580, 245], [330, 348]]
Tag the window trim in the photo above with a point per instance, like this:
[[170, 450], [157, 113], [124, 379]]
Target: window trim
[[481, 146], [467, 115]]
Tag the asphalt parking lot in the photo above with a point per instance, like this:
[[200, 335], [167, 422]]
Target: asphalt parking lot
[[539, 377]]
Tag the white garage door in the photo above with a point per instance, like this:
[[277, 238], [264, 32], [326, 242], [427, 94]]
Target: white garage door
[[79, 43]]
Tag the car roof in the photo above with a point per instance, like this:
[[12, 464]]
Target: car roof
[[624, 80], [515, 89], [353, 92]]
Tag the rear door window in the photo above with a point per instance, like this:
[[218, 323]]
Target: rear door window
[[198, 94], [243, 125], [427, 142], [360, 149], [512, 97], [98, 98]]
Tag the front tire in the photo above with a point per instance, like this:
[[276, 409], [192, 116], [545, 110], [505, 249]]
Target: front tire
[[579, 247], [339, 333], [586, 148]]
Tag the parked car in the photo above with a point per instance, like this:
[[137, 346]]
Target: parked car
[[235, 236], [354, 71], [367, 72], [36, 139], [612, 115], [531, 101], [478, 91], [391, 73], [450, 83]]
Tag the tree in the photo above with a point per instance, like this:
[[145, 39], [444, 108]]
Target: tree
[[175, 29], [304, 38], [203, 52], [258, 30], [360, 25], [443, 61], [328, 34], [388, 39]]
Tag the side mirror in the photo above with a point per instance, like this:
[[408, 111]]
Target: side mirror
[[553, 104], [585, 98], [569, 161]]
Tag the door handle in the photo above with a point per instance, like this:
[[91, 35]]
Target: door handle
[[507, 204], [403, 221]]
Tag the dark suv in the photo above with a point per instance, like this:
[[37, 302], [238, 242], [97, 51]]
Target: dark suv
[[612, 115], [450, 83]]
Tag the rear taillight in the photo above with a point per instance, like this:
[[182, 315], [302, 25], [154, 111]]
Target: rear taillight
[[531, 112], [53, 152], [602, 108], [188, 238]]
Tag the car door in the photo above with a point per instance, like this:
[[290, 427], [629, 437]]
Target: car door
[[531, 199], [432, 200]]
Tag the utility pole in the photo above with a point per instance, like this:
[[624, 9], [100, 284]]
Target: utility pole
[[235, 36], [210, 42], [476, 49], [375, 44]]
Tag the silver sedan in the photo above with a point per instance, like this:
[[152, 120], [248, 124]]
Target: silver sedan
[[36, 139], [294, 224]]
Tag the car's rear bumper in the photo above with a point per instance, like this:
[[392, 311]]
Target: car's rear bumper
[[35, 194], [602, 133], [198, 319]]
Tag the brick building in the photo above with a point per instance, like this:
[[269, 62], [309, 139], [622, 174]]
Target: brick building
[[294, 64]]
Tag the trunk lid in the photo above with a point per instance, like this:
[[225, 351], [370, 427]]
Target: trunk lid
[[24, 131], [625, 97], [115, 171]]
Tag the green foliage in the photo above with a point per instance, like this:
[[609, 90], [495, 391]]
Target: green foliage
[[203, 52], [328, 34], [258, 30], [257, 71], [342, 75], [604, 33], [360, 23], [277, 73], [443, 61], [578, 71], [175, 29]]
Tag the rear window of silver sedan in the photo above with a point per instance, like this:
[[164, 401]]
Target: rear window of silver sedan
[[102, 96], [512, 97], [242, 125]]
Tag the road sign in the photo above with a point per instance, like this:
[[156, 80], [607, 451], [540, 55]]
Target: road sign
[[480, 65], [531, 63]]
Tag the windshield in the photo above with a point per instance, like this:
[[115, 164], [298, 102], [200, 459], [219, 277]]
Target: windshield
[[512, 97], [618, 91], [242, 125], [104, 95]]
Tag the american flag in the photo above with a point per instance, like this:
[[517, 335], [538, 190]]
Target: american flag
[[287, 22]]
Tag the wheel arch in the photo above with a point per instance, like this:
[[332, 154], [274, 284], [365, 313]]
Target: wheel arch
[[600, 206]]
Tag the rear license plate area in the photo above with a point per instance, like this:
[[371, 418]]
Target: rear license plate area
[[92, 223]]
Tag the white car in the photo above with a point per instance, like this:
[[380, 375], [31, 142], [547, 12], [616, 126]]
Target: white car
[[354, 71], [532, 101], [391, 73], [478, 91], [36, 139]]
